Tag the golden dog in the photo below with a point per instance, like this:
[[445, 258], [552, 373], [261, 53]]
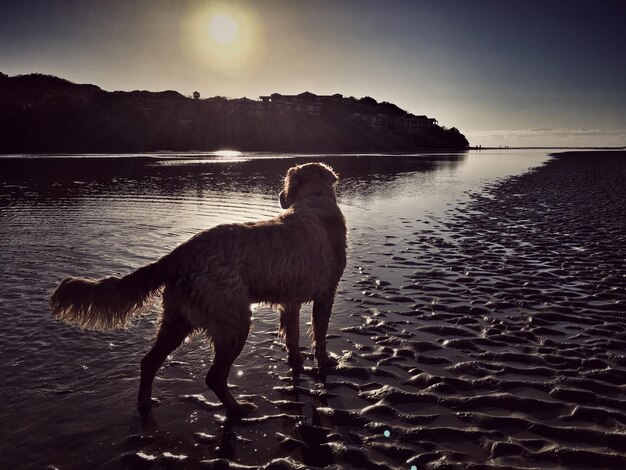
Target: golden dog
[[211, 280]]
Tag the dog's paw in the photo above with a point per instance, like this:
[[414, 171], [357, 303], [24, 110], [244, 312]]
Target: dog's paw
[[324, 361], [242, 408], [295, 359]]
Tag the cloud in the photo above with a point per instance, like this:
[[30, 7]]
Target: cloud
[[548, 137]]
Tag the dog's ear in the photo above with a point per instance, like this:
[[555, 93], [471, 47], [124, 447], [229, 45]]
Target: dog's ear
[[292, 178], [283, 200], [291, 184]]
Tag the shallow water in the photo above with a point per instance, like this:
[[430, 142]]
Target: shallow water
[[417, 342]]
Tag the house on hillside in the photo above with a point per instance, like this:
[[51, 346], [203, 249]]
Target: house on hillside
[[408, 123], [377, 121], [306, 102], [415, 124]]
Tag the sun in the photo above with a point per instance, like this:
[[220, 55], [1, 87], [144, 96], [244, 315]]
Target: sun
[[223, 28], [225, 36]]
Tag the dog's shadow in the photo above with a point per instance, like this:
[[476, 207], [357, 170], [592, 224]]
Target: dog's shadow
[[309, 436], [145, 430]]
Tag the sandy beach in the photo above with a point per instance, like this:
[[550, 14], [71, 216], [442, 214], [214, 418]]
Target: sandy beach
[[486, 332], [515, 324], [505, 338]]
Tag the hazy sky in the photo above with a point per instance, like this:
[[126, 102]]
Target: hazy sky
[[505, 72]]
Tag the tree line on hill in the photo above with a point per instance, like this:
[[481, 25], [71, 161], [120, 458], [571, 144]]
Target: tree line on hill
[[46, 114]]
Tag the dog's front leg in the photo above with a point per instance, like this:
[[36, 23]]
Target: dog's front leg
[[322, 308], [290, 330]]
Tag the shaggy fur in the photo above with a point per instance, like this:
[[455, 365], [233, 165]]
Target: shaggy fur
[[210, 281]]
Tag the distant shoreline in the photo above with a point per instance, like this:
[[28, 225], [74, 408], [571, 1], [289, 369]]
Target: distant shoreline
[[218, 153], [474, 147], [279, 154], [46, 114]]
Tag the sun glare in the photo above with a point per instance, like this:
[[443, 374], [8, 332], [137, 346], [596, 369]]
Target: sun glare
[[227, 153], [224, 36], [223, 28]]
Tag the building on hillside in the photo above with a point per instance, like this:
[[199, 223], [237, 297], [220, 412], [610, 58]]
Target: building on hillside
[[408, 123], [306, 102], [235, 106], [415, 124], [379, 121]]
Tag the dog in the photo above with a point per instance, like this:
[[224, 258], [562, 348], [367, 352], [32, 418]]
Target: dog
[[209, 283]]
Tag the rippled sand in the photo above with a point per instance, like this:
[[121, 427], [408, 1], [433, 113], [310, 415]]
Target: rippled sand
[[475, 329], [510, 350]]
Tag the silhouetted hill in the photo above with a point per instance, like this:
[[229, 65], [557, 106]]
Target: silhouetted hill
[[46, 114]]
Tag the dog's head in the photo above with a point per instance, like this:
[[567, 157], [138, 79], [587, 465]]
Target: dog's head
[[308, 180]]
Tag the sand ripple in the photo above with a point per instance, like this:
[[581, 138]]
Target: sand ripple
[[511, 354]]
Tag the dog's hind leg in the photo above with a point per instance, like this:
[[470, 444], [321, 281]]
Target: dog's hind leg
[[227, 349], [173, 330], [290, 329], [320, 316]]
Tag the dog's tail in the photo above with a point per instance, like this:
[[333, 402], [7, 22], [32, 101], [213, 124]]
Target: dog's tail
[[110, 302]]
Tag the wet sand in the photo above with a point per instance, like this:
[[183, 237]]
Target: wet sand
[[510, 350], [490, 334]]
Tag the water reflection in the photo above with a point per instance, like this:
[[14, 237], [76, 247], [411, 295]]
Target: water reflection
[[172, 177]]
